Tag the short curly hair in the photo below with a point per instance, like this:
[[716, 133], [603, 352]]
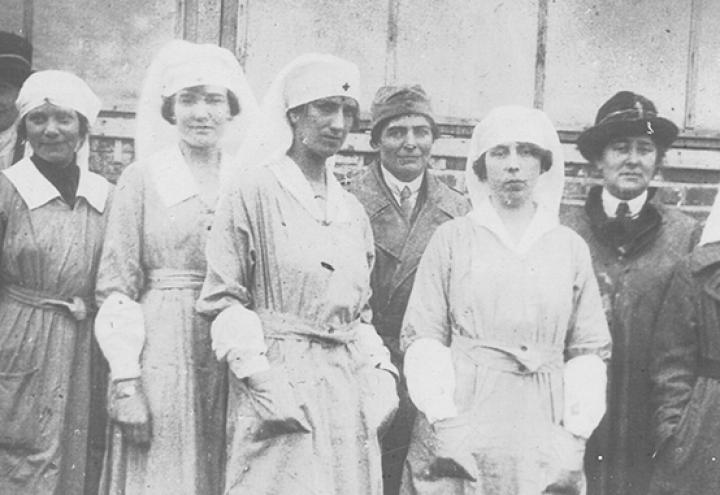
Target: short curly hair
[[545, 156], [167, 110]]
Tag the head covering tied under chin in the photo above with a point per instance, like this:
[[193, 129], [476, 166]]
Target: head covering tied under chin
[[62, 89], [309, 77], [181, 64], [524, 125]]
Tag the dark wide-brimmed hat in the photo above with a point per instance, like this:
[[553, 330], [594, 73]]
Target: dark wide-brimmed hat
[[15, 58], [625, 114], [396, 101]]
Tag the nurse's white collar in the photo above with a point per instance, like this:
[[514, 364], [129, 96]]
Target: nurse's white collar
[[290, 176], [542, 222], [36, 190]]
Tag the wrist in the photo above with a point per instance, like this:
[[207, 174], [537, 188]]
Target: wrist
[[126, 388]]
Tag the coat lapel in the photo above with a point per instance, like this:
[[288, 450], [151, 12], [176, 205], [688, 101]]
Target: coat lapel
[[389, 225], [435, 209]]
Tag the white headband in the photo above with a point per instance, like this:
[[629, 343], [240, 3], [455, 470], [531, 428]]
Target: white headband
[[60, 88]]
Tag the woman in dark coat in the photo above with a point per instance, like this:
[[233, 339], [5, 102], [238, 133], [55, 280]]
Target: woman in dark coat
[[686, 374], [634, 243]]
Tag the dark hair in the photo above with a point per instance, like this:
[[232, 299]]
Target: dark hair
[[376, 131], [84, 127], [303, 108], [545, 156], [167, 110]]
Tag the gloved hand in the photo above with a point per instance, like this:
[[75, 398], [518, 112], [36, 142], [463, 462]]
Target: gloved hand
[[275, 403], [453, 456], [129, 408]]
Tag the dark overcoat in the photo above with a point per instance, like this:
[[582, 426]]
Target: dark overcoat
[[686, 379], [399, 244], [633, 262]]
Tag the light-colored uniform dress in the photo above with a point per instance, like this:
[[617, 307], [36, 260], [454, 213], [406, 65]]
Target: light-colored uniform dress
[[154, 253], [50, 251], [275, 251], [511, 318]]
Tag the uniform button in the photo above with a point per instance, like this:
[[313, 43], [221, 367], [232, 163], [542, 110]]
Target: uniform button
[[523, 348]]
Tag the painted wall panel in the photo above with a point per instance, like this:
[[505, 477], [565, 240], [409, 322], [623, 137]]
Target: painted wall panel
[[108, 43], [596, 48], [707, 107], [280, 30], [11, 18], [470, 55]]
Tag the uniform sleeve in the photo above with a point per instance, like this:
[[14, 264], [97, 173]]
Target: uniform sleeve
[[428, 365], [120, 325], [366, 315], [674, 353], [230, 255], [427, 310], [120, 267], [588, 331], [237, 334]]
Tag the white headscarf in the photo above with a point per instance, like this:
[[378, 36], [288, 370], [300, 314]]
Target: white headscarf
[[517, 124], [181, 64], [524, 125], [307, 78], [711, 230], [62, 89]]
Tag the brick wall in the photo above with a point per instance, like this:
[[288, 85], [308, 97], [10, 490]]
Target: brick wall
[[688, 179]]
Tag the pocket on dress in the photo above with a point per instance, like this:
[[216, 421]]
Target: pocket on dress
[[20, 421]]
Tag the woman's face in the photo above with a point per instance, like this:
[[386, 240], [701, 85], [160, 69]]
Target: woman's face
[[324, 124], [54, 133], [513, 170], [201, 115]]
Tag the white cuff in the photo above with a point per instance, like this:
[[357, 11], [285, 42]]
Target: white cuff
[[585, 391], [371, 345], [237, 337], [430, 376], [120, 332]]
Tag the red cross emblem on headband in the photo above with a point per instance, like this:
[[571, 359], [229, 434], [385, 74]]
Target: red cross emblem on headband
[[346, 86]]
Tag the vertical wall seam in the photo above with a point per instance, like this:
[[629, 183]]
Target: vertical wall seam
[[391, 42], [541, 54], [691, 81], [28, 18]]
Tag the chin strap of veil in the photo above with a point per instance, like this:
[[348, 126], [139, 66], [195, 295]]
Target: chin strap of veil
[[518, 124], [180, 64]]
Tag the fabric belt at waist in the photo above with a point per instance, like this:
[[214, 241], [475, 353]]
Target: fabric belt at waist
[[284, 326], [168, 279], [79, 307], [526, 359], [709, 368]]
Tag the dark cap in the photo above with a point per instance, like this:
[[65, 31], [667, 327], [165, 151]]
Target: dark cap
[[625, 114], [15, 58], [396, 101]]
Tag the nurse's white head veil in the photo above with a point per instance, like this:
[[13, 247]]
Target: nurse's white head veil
[[62, 89], [711, 230], [181, 64], [518, 124], [309, 77]]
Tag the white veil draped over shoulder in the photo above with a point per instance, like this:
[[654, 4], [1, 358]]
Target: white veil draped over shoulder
[[180, 64]]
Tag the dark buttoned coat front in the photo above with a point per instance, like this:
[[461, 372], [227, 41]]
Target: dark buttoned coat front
[[400, 242]]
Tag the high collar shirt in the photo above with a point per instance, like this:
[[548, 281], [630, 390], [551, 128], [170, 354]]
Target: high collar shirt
[[396, 185], [610, 203]]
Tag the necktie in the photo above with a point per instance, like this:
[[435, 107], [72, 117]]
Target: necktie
[[623, 211], [405, 203]]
